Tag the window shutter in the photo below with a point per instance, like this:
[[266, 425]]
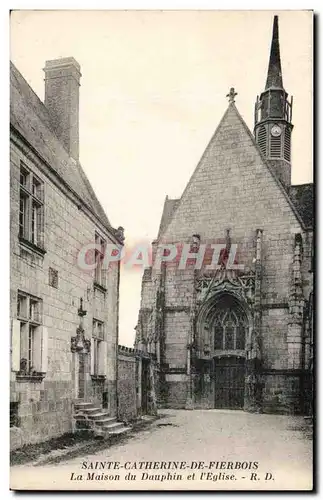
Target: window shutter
[[37, 350], [262, 140], [15, 346], [92, 355], [103, 358], [287, 145], [44, 350], [275, 147]]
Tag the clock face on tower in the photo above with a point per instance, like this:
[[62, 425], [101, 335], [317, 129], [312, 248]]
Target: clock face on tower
[[276, 131]]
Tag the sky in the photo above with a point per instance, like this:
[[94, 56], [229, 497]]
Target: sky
[[153, 90]]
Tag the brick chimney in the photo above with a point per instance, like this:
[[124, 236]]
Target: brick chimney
[[62, 82]]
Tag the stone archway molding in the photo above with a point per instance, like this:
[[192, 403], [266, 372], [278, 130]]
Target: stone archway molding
[[204, 317]]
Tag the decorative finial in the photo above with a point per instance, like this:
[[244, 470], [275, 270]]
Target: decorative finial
[[81, 312], [231, 95]]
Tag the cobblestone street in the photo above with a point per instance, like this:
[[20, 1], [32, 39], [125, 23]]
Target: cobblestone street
[[280, 445]]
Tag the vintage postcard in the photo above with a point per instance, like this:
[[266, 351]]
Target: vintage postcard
[[161, 253]]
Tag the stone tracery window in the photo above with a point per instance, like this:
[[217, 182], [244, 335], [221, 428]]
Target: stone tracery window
[[229, 328]]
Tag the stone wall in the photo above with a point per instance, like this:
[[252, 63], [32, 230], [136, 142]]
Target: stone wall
[[137, 383], [127, 387], [45, 407]]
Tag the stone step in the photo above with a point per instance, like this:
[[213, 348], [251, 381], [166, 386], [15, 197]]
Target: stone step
[[79, 417], [83, 425], [91, 410], [113, 426], [83, 406], [99, 415], [122, 430], [101, 431], [107, 420], [89, 416]]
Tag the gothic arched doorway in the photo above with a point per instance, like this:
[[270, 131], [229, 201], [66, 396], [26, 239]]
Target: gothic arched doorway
[[228, 326]]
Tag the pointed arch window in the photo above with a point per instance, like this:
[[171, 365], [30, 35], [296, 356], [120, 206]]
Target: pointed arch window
[[229, 330]]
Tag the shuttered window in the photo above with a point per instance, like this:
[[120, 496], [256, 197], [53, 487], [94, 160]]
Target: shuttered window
[[275, 147], [262, 140], [287, 145]]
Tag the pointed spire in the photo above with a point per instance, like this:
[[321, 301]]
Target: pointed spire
[[274, 76]]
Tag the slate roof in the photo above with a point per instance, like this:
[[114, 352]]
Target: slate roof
[[30, 117], [170, 206], [302, 195], [274, 76]]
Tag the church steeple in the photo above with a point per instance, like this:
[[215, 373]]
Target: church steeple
[[273, 115], [274, 76]]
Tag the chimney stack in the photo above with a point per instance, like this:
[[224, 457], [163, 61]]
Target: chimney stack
[[62, 82]]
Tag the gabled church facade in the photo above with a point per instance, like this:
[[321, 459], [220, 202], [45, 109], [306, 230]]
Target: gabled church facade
[[237, 336]]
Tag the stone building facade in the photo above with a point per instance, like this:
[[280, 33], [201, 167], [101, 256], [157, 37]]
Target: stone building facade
[[238, 335], [64, 319]]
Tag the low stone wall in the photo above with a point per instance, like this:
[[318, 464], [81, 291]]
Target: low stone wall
[[45, 411], [127, 388], [137, 375], [284, 393]]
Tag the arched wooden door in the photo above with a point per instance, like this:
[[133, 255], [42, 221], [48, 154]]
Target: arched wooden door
[[229, 326]]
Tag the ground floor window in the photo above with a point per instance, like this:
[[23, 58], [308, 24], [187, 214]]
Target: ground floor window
[[29, 339], [29, 318]]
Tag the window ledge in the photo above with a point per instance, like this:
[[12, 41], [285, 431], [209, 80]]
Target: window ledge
[[99, 287], [98, 377], [238, 353], [32, 246], [30, 377]]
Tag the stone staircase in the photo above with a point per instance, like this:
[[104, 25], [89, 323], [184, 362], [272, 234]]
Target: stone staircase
[[90, 417]]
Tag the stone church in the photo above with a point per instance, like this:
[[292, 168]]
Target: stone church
[[238, 336]]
